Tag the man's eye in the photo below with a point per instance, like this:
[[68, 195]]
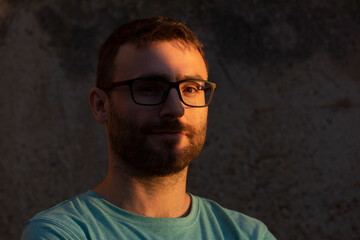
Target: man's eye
[[148, 89], [190, 89]]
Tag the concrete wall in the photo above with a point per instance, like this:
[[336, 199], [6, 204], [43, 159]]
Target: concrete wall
[[284, 127]]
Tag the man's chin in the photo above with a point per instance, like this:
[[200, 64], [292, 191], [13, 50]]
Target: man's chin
[[149, 162], [156, 170]]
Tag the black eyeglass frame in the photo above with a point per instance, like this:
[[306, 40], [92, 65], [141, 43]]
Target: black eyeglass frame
[[164, 97]]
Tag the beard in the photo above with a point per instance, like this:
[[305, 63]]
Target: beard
[[135, 154]]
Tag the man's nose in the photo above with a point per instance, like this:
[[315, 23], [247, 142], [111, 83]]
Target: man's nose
[[172, 107]]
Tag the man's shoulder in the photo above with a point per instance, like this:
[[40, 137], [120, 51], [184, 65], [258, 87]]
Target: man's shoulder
[[63, 218], [71, 208], [230, 220]]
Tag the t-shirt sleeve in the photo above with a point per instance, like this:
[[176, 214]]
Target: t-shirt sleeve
[[269, 236], [46, 230]]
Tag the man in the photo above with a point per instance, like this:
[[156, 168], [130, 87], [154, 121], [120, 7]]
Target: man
[[152, 95]]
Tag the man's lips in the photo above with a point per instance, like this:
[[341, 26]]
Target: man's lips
[[171, 134], [168, 133], [170, 129]]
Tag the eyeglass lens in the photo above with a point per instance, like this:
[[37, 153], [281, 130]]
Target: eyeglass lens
[[193, 92]]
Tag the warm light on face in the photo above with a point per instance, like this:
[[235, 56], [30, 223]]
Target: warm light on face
[[152, 128]]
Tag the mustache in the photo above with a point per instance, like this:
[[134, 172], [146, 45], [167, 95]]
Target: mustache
[[168, 126]]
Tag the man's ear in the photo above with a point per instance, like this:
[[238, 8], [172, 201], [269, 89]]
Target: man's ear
[[99, 104]]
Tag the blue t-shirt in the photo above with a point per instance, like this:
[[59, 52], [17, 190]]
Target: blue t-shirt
[[89, 216]]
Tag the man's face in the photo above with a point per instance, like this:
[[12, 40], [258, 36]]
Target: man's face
[[156, 140]]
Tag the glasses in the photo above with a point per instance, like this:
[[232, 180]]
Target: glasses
[[154, 91]]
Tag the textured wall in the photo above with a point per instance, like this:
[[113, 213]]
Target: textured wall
[[284, 127]]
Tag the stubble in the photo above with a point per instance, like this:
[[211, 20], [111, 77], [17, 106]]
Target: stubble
[[135, 154]]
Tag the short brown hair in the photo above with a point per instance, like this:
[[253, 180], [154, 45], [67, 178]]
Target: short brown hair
[[142, 33]]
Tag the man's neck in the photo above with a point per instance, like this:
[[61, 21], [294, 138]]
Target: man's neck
[[153, 197]]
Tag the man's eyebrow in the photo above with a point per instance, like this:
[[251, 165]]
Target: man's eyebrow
[[195, 76], [167, 77], [155, 75]]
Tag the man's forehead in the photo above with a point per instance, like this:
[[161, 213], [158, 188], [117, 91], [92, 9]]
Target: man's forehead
[[167, 77], [153, 59]]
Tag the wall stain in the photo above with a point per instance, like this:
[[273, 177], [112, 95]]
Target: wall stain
[[74, 44], [6, 17], [339, 104], [279, 33], [76, 34]]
